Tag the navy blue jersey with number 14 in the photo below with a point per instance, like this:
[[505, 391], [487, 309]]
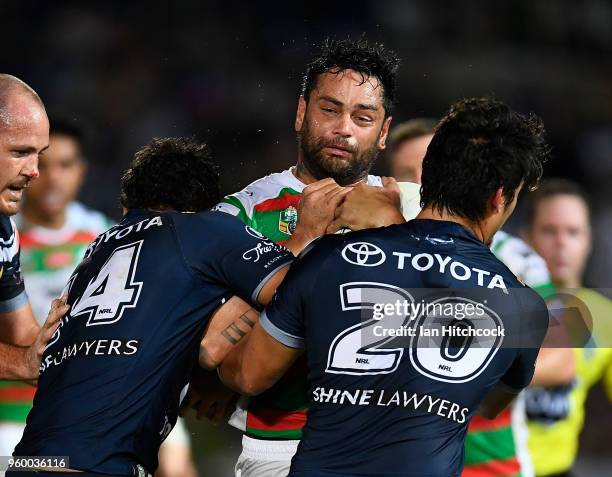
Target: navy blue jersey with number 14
[[405, 330], [112, 376]]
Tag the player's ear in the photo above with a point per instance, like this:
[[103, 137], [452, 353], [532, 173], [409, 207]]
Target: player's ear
[[498, 201], [301, 112], [384, 132]]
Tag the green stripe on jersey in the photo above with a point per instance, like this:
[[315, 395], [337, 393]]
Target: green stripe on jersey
[[294, 434], [14, 412], [485, 446], [231, 200]]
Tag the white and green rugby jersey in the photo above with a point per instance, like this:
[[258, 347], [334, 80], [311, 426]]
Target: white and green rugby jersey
[[269, 204], [524, 262]]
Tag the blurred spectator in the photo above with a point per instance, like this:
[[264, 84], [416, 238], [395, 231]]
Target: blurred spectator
[[408, 144], [559, 229], [55, 229]]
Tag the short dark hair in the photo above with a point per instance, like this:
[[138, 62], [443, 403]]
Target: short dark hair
[[64, 127], [548, 188], [479, 146], [411, 129], [175, 173], [368, 59]]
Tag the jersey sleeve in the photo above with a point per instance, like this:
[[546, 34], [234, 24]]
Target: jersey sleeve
[[232, 205], [534, 325], [524, 262], [12, 289], [283, 319], [221, 249]]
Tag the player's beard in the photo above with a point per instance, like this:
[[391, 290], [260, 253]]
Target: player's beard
[[343, 171]]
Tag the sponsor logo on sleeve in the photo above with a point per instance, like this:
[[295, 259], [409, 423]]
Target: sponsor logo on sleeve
[[263, 247]]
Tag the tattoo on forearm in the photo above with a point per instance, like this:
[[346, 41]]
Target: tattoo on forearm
[[233, 333], [246, 319]]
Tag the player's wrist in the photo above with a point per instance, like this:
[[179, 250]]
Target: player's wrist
[[31, 362], [298, 242], [23, 367], [391, 215]]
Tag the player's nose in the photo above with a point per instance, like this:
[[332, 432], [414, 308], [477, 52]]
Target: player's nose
[[30, 167], [342, 126]]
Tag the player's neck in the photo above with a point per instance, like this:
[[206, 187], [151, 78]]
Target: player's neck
[[41, 219], [572, 283], [476, 228], [303, 175]]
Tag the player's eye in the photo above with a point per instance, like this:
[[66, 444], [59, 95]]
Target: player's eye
[[20, 152], [328, 110], [364, 119]]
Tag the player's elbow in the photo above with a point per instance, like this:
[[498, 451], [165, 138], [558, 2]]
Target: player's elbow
[[249, 384]]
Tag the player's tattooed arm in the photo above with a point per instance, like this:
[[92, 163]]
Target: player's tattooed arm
[[232, 322], [227, 327], [256, 363]]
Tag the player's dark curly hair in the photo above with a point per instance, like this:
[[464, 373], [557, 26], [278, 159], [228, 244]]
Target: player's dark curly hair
[[479, 146], [369, 59], [175, 173]]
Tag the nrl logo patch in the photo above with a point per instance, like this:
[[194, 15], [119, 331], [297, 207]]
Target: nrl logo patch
[[287, 220]]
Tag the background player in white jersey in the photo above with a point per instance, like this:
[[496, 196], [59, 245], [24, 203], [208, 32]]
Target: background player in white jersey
[[24, 135], [55, 228]]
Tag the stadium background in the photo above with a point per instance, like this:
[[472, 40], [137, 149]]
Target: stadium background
[[229, 72]]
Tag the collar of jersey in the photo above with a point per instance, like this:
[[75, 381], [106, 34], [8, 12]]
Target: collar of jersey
[[444, 227]]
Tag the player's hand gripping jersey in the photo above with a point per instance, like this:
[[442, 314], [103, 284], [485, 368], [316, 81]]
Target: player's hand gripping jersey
[[385, 407], [112, 376]]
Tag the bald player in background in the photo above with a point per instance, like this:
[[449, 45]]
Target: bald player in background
[[24, 135]]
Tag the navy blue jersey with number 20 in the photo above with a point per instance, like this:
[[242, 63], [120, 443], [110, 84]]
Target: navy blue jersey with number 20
[[112, 376], [389, 396]]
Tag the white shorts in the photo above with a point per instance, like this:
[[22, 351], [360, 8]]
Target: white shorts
[[263, 458], [178, 435], [10, 435]]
